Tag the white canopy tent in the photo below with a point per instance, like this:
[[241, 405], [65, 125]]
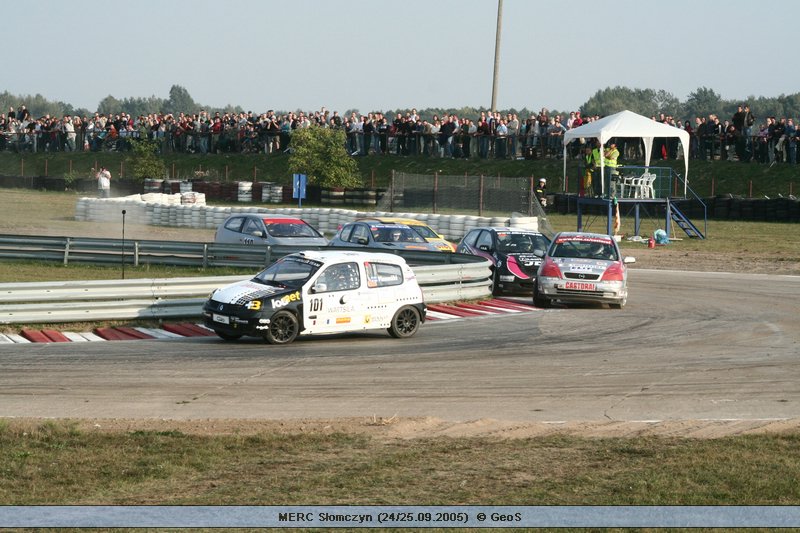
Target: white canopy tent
[[628, 124]]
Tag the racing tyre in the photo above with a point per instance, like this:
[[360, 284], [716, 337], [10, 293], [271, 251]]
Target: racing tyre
[[226, 336], [618, 306], [540, 301], [405, 322], [496, 291], [283, 328]]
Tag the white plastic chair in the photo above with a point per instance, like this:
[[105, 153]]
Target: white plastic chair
[[646, 189], [630, 186]]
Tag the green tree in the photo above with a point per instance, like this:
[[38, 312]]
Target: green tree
[[146, 164], [320, 154], [179, 100], [702, 102], [109, 104]]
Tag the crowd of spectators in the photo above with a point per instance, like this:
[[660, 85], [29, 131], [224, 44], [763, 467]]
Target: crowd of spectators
[[489, 135]]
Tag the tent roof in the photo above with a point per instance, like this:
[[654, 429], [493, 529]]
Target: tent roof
[[629, 124], [624, 124]]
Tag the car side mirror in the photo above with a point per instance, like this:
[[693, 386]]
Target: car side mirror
[[362, 240], [538, 253], [485, 248], [256, 233], [318, 287], [628, 259]]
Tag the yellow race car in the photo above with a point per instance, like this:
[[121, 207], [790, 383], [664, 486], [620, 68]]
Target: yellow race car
[[425, 231]]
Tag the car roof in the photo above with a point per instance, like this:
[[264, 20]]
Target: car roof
[[333, 256], [394, 220], [383, 224], [583, 235], [262, 215], [508, 229]]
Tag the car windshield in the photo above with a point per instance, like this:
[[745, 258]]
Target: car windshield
[[289, 228], [520, 242], [288, 271], [585, 249], [425, 232], [395, 234]]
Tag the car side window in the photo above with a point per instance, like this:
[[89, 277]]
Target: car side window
[[469, 240], [383, 274], [485, 239], [359, 232], [340, 277], [250, 226], [234, 224], [345, 233]]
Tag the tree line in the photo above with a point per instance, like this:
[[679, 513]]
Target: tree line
[[649, 102]]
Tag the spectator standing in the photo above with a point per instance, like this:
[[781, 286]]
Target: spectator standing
[[791, 141], [501, 139], [69, 134], [738, 123], [103, 183], [749, 120], [513, 133]]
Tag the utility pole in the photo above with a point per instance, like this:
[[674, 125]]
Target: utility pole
[[497, 54]]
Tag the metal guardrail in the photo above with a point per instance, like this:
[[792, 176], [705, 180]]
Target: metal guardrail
[[76, 301], [193, 254]]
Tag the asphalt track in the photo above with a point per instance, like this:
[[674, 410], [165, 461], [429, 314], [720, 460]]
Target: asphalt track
[[689, 345]]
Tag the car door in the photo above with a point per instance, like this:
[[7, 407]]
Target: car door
[[360, 235], [231, 231], [335, 300], [252, 226]]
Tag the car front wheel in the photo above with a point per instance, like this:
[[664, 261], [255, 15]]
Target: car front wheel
[[405, 323], [540, 301], [283, 328], [227, 336]]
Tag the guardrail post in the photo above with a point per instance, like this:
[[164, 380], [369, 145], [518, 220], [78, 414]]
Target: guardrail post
[[136, 253], [66, 251], [205, 255], [268, 256]]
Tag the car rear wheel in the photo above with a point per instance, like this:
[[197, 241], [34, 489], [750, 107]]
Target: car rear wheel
[[405, 323], [227, 336], [283, 328]]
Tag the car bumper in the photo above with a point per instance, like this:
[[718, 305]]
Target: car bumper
[[602, 292], [233, 323]]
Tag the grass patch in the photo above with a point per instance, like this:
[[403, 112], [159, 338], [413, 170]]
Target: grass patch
[[22, 271], [53, 463], [707, 178]]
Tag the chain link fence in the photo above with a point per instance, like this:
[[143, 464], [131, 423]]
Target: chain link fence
[[479, 195]]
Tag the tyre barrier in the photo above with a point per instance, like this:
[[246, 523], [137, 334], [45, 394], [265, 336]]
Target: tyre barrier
[[190, 210], [783, 209]]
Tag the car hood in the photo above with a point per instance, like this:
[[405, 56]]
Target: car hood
[[579, 265], [522, 264], [299, 241], [244, 291], [409, 246], [441, 244]]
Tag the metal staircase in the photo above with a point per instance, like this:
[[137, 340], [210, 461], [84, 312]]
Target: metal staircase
[[684, 223]]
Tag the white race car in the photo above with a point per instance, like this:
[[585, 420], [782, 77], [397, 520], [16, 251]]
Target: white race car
[[318, 292]]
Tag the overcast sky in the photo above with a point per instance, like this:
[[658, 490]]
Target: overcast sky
[[381, 55]]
